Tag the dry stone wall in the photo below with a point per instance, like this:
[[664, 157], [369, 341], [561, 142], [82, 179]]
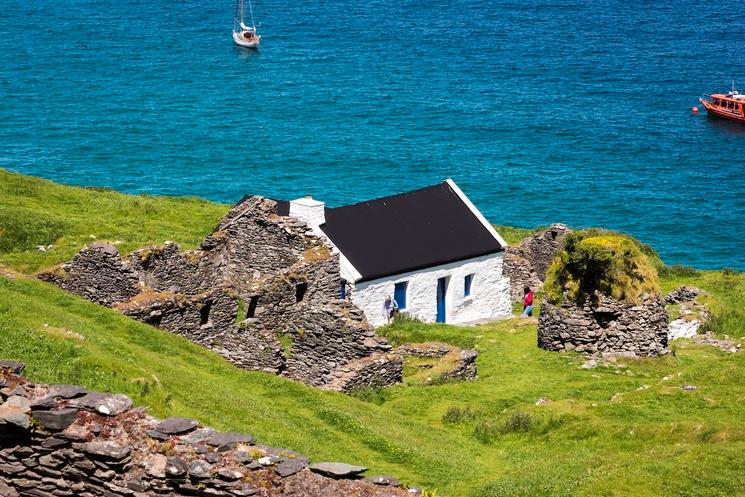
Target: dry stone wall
[[602, 325], [262, 290], [97, 273], [463, 368], [63, 441], [526, 263]]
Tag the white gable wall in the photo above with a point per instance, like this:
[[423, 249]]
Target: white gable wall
[[489, 299]]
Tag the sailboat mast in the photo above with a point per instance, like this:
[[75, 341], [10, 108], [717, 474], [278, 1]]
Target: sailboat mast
[[235, 16], [251, 10]]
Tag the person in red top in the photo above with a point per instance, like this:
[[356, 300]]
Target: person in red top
[[528, 303]]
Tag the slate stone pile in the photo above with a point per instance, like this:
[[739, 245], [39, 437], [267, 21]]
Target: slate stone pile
[[63, 441], [682, 294], [526, 263], [367, 372], [603, 325], [464, 367], [262, 290]]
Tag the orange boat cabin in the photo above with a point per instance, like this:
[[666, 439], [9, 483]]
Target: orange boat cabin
[[729, 106]]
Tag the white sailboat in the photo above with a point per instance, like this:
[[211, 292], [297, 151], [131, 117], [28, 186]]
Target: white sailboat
[[245, 36]]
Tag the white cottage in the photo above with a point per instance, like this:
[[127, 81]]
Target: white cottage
[[430, 249]]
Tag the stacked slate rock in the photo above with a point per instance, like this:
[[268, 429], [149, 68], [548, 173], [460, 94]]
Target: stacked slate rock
[[603, 325], [98, 274], [526, 263], [63, 441], [682, 294]]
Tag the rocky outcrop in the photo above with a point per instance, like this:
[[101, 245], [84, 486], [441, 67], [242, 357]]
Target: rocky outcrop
[[60, 441], [686, 315], [262, 290], [602, 325], [526, 263]]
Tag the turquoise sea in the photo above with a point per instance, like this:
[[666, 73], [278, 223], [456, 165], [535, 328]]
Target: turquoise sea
[[566, 111]]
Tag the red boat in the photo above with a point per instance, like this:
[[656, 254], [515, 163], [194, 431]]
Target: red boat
[[729, 106]]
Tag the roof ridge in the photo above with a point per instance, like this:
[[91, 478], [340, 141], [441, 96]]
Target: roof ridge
[[395, 195]]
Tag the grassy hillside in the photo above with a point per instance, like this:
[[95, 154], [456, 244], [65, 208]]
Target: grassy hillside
[[626, 431], [602, 433], [36, 212]]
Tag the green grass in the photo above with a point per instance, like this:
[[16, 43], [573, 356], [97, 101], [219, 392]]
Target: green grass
[[37, 212], [513, 235], [602, 432], [655, 441]]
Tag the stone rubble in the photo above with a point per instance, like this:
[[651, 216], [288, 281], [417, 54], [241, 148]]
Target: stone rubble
[[682, 294], [463, 369], [692, 315], [262, 290], [93, 454]]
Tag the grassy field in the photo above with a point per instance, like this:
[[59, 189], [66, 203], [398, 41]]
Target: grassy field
[[36, 212], [609, 431]]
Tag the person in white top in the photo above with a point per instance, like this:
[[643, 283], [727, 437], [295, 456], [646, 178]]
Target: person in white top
[[390, 309]]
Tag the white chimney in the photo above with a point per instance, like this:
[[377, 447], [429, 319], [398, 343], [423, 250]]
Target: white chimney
[[312, 212]]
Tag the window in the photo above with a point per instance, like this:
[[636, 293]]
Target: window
[[300, 290], [343, 290], [467, 285], [251, 311], [399, 294], [204, 313]]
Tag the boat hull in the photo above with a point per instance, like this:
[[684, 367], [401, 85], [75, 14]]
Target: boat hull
[[241, 41], [713, 110]]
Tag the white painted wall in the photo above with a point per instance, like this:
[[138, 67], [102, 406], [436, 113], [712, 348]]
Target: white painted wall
[[489, 299]]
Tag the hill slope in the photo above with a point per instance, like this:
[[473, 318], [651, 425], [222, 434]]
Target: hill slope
[[608, 431], [36, 212]]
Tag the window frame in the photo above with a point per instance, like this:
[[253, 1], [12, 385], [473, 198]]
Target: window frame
[[468, 285]]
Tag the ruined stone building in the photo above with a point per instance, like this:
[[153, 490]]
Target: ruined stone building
[[262, 290], [294, 288]]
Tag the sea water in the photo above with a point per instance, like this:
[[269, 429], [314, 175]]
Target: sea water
[[560, 111]]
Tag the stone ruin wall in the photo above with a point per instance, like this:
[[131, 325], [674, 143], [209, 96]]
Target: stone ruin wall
[[526, 263], [63, 441], [262, 290], [464, 369], [602, 325]]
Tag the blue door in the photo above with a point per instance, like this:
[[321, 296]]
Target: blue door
[[442, 289]]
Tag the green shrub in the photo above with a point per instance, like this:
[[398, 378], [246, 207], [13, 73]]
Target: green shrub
[[486, 431], [607, 262], [728, 271], [517, 422], [677, 270], [456, 415]]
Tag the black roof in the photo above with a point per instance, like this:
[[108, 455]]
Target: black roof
[[409, 231], [283, 207]]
